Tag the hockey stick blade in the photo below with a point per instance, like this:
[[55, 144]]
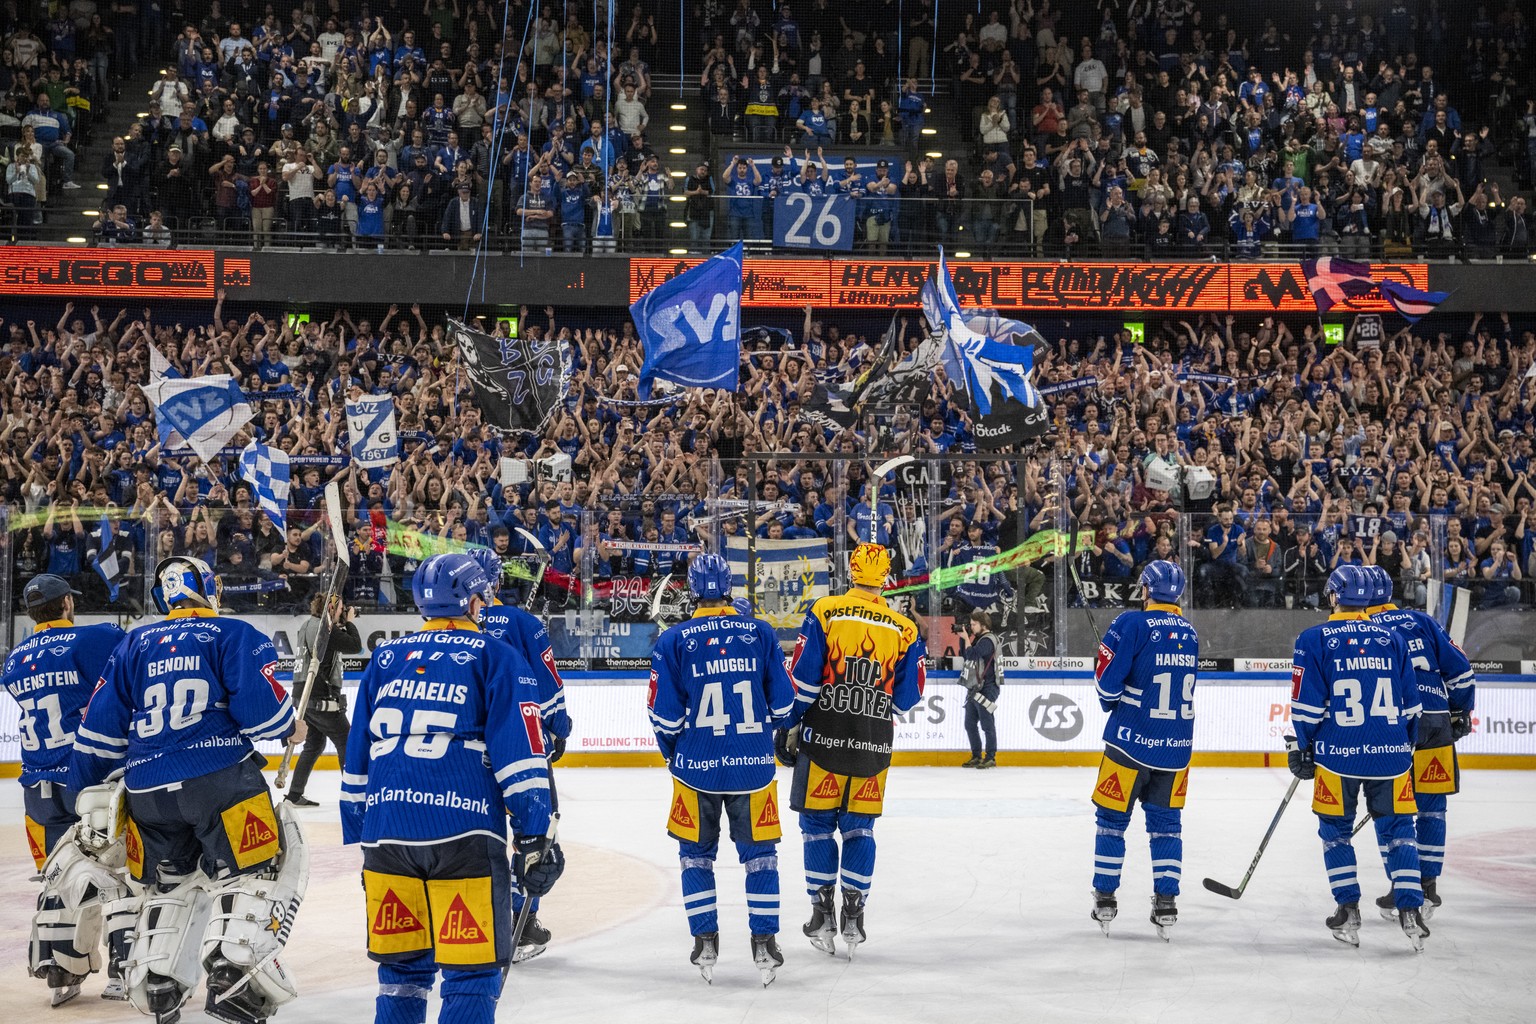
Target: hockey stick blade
[[1223, 890]]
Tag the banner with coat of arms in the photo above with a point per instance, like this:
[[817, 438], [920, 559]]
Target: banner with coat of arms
[[791, 574]]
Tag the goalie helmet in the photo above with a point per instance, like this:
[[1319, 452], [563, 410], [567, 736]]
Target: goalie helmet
[[869, 565], [182, 579]]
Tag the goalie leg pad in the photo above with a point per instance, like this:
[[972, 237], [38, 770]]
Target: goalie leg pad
[[252, 918], [66, 929], [164, 962]]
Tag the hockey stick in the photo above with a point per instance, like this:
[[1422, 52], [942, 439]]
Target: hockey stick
[[527, 909], [1227, 890], [323, 634]]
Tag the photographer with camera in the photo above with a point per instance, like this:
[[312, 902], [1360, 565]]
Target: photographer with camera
[[326, 712]]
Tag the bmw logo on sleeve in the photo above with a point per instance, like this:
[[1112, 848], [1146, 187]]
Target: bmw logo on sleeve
[[386, 657]]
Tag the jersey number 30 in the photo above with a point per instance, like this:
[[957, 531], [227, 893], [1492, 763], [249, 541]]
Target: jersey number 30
[[1351, 711]]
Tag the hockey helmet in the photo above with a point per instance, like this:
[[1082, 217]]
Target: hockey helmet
[[1352, 586], [490, 564], [1381, 584], [1163, 581], [182, 579], [444, 585], [869, 565], [709, 577], [742, 606]]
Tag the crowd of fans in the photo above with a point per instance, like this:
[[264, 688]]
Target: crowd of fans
[[1164, 126], [1257, 453]]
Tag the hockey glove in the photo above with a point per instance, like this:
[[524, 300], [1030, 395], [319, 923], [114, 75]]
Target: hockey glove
[[556, 748], [1461, 724], [537, 868], [786, 746], [1299, 761]]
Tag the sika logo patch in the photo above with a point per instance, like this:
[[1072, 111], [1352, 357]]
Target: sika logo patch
[[829, 789], [1110, 789], [770, 815], [680, 815], [394, 917], [1056, 717], [459, 925]]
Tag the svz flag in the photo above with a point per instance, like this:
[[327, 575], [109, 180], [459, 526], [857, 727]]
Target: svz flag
[[518, 382], [691, 326], [1410, 303]]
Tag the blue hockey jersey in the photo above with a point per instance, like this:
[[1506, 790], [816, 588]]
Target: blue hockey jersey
[[1443, 672], [1145, 675], [718, 685], [525, 632], [51, 674], [1354, 698], [181, 698], [446, 741]]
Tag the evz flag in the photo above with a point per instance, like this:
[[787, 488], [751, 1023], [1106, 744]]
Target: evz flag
[[371, 431]]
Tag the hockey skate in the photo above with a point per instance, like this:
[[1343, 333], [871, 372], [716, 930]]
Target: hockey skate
[[64, 993], [1388, 905], [822, 926], [1345, 923], [706, 950], [165, 998], [1414, 927], [853, 920], [245, 1006], [766, 956], [1164, 914], [1104, 909], [115, 990], [531, 941]]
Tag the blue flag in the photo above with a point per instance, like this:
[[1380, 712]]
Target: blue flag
[[206, 411], [691, 326], [104, 560], [266, 469], [1410, 303], [975, 363]]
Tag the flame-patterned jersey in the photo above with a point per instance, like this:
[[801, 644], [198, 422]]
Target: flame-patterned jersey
[[856, 665]]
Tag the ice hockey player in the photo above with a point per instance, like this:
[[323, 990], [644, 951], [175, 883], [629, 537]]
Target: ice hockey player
[[525, 632], [452, 745], [51, 675], [856, 665], [1145, 675], [1448, 691], [179, 706], [718, 688], [1355, 704]]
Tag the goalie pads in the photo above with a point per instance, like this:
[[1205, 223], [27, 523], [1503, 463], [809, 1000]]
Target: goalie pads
[[79, 880], [252, 918]]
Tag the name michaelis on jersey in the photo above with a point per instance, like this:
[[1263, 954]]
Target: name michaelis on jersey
[[421, 689]]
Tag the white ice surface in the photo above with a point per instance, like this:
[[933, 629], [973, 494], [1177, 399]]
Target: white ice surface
[[979, 913]]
